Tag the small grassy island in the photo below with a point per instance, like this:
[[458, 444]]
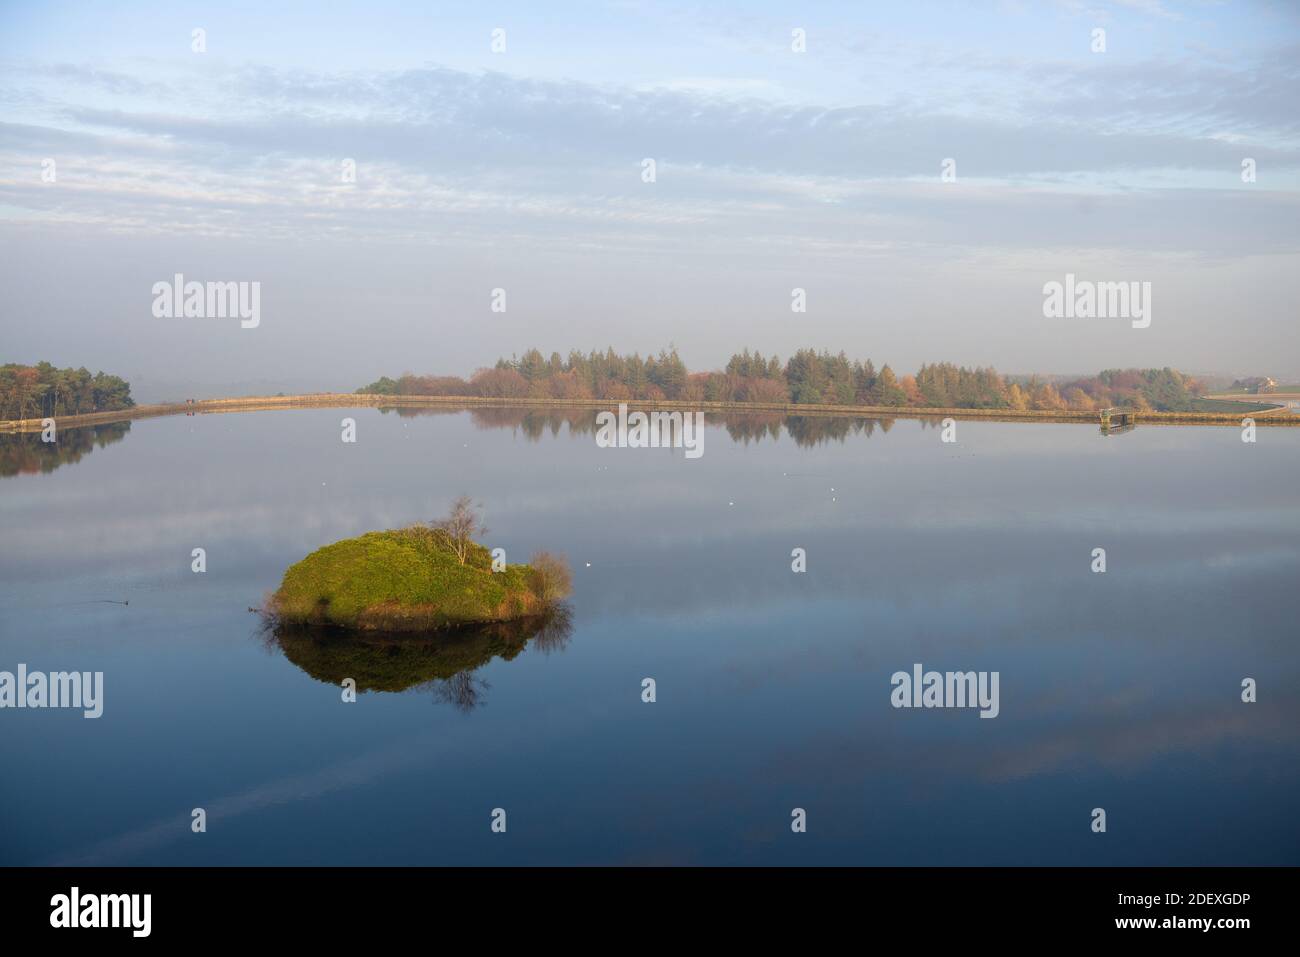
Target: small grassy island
[[424, 577]]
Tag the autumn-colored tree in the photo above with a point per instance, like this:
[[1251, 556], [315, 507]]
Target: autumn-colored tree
[[911, 391], [567, 385], [44, 390], [764, 390], [1077, 399], [807, 377], [1046, 398], [696, 384], [500, 383], [887, 390], [550, 578]]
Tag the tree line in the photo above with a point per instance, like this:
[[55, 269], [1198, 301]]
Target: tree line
[[41, 391], [808, 377]]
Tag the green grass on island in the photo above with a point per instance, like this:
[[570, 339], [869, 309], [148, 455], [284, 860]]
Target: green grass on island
[[420, 578]]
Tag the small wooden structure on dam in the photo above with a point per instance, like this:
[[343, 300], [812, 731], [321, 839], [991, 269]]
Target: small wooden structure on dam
[[1117, 420]]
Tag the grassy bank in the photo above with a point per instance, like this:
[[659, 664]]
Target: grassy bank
[[1234, 406], [1275, 416]]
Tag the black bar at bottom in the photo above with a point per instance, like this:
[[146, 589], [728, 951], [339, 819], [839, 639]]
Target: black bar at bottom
[[340, 905]]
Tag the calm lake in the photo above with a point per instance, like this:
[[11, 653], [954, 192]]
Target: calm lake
[[1120, 691]]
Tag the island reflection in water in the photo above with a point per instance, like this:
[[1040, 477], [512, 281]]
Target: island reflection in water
[[443, 663]]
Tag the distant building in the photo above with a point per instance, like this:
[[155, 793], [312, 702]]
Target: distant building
[[1255, 384]]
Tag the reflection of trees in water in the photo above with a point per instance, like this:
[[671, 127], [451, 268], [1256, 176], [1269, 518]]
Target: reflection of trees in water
[[444, 663], [810, 430], [463, 691], [743, 427], [751, 427], [410, 412], [554, 630], [25, 454], [534, 423]]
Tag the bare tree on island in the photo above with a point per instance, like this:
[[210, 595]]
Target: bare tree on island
[[461, 526], [549, 577]]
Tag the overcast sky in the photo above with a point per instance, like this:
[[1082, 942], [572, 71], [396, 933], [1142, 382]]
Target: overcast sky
[[523, 170]]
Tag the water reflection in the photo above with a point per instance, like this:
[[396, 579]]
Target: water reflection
[[1119, 690], [444, 664], [25, 454], [743, 428]]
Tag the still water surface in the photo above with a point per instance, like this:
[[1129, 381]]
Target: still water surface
[[1118, 690]]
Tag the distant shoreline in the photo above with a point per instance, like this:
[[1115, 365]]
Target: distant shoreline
[[342, 400]]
